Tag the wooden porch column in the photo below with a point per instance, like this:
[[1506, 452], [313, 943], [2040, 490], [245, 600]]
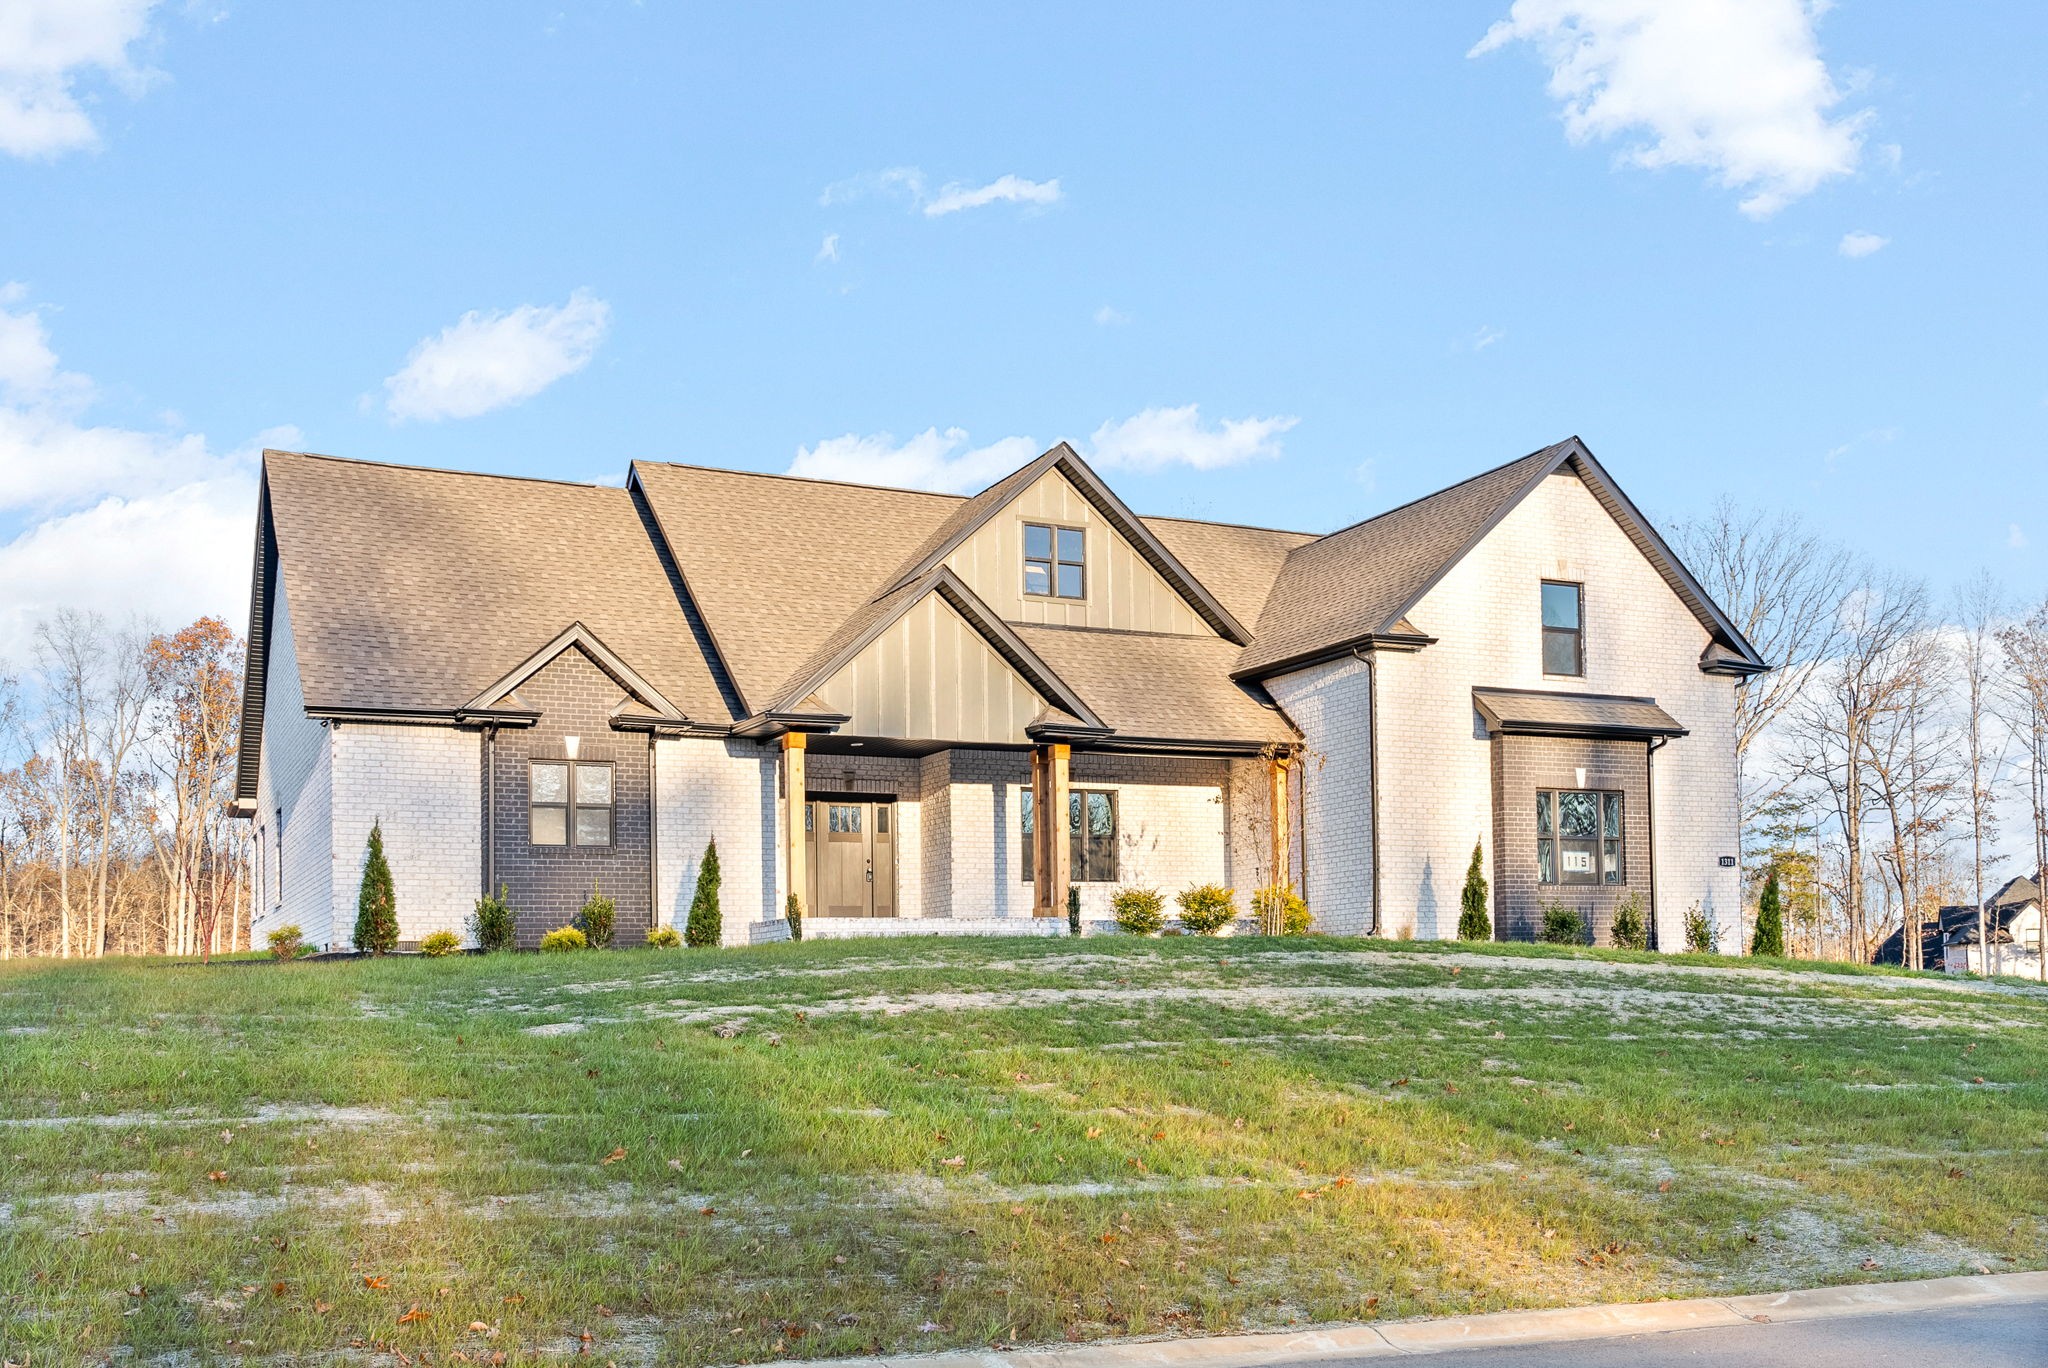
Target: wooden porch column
[[1283, 848], [1052, 864], [796, 848]]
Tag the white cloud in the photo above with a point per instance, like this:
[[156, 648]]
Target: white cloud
[[45, 47], [100, 516], [942, 461], [1003, 190], [1160, 437], [1107, 317], [1736, 88], [1485, 337], [1367, 473], [486, 361], [949, 463], [1861, 244], [2015, 538], [950, 198], [828, 250], [1875, 436]]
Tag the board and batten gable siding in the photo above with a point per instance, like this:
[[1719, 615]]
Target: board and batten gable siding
[[931, 676], [1123, 590], [423, 785], [1640, 639], [295, 775]]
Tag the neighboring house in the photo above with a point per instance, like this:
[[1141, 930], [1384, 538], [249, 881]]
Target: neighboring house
[[868, 696], [2012, 920]]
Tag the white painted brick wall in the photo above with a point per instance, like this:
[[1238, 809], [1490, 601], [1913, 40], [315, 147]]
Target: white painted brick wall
[[729, 789], [1486, 613], [1331, 704], [294, 774], [424, 786]]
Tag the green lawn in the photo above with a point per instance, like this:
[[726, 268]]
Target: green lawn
[[922, 1144]]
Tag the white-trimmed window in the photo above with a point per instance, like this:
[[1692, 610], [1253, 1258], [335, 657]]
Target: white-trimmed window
[[570, 802]]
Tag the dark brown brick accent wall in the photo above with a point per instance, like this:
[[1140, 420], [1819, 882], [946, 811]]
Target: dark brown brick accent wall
[[1521, 766], [548, 884]]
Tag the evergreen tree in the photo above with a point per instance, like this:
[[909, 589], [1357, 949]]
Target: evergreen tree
[[1473, 924], [1770, 921], [706, 925], [377, 902]]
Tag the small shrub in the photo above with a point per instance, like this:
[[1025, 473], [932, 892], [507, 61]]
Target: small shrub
[[1206, 909], [793, 913], [664, 938], [376, 900], [1770, 920], [1631, 930], [490, 926], [1562, 925], [440, 943], [1073, 910], [1139, 911], [598, 919], [706, 926], [1473, 923], [1701, 936], [1281, 911], [564, 938], [287, 943]]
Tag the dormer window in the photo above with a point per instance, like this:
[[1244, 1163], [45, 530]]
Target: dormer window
[[1564, 638], [1055, 564]]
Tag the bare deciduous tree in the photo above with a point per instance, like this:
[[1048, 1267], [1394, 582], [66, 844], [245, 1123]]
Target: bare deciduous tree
[[2025, 647]]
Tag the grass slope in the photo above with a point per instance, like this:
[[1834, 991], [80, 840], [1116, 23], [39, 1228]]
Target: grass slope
[[918, 1145]]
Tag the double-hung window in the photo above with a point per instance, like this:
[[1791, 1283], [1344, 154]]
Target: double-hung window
[[1091, 835], [1579, 837], [570, 803], [1055, 561], [1564, 635]]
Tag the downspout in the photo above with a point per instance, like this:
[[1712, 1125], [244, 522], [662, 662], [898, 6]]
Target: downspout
[[653, 836], [1372, 796], [490, 811], [1656, 744]]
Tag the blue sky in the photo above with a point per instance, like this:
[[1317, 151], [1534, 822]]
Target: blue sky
[[1791, 256]]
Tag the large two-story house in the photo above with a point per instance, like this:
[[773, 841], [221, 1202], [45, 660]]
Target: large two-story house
[[921, 712]]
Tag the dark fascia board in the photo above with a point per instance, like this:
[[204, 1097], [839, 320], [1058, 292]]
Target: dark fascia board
[[1175, 745], [1402, 643], [666, 726], [992, 629], [691, 609], [256, 658], [1069, 463], [576, 635], [1591, 731], [1574, 452], [776, 721], [1067, 733], [423, 717]]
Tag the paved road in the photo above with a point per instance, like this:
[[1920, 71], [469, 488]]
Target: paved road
[[2003, 1336]]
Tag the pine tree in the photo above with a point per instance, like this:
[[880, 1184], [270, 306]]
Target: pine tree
[[1473, 924], [377, 903], [706, 925], [1770, 922]]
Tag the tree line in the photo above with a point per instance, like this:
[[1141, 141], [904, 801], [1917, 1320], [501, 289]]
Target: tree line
[[117, 762]]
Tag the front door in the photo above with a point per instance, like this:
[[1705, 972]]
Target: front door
[[852, 857]]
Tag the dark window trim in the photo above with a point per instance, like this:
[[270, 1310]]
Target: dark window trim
[[569, 805], [1578, 633], [1555, 840], [1052, 566], [1076, 835]]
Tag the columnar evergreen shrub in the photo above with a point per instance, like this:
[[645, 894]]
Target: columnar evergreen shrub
[[663, 938], [598, 918], [1473, 923], [490, 926], [1631, 930], [440, 943], [377, 900], [287, 943], [1770, 920], [1139, 911], [1073, 910], [793, 913], [563, 938], [1701, 936], [1206, 909], [1562, 925], [706, 925]]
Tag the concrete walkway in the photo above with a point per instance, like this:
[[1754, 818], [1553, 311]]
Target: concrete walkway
[[1992, 1320]]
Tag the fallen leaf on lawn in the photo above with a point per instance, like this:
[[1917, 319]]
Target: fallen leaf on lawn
[[614, 1156], [707, 1211], [957, 1161], [1664, 1186], [376, 1284], [1308, 1196], [135, 1291], [221, 1175], [514, 1299], [277, 1289], [478, 1327], [1398, 1083], [604, 1311], [415, 1313], [676, 1164], [1977, 1079], [1016, 1211], [1868, 1264], [1095, 1132], [1158, 1135], [1344, 1181], [321, 1308]]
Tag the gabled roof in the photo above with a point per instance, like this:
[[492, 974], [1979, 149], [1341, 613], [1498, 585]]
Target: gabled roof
[[1354, 587], [575, 637], [1151, 687]]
